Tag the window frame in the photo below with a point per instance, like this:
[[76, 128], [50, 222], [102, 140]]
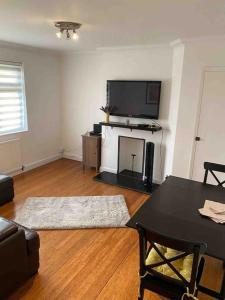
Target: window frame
[[23, 88]]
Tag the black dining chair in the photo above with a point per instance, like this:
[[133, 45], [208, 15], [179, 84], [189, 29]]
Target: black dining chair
[[166, 274], [211, 168]]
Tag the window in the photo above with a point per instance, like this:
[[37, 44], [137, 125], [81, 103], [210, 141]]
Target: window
[[13, 115]]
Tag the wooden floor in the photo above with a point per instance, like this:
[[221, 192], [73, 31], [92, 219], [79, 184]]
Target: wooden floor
[[89, 263]]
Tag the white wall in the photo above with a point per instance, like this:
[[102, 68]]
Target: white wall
[[81, 99], [84, 91], [177, 72], [42, 142], [197, 55]]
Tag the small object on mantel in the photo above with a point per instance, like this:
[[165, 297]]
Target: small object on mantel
[[107, 110], [214, 210]]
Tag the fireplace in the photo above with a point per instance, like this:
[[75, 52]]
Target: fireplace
[[131, 156], [134, 165]]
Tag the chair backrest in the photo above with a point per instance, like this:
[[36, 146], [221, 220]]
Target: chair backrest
[[149, 240], [212, 167]]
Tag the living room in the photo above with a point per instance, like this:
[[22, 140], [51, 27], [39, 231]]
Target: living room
[[66, 142]]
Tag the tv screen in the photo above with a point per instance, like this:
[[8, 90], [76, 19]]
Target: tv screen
[[138, 99]]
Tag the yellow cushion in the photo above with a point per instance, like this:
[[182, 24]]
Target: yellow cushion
[[153, 256], [183, 265]]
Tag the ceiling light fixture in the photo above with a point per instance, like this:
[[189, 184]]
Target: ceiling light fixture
[[69, 28]]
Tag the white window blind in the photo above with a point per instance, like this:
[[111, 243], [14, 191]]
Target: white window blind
[[13, 115]]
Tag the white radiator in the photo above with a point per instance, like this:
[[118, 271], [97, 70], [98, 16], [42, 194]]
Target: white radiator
[[10, 156]]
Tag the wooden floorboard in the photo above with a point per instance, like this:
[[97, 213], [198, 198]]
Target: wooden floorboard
[[89, 263]]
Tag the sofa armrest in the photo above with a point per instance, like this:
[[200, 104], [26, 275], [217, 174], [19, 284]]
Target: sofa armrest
[[6, 229], [14, 268], [32, 237]]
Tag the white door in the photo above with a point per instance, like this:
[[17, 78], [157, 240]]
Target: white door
[[211, 146]]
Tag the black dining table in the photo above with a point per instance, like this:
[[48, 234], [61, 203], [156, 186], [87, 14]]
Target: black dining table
[[172, 210]]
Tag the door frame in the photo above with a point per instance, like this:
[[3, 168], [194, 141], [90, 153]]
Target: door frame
[[199, 111]]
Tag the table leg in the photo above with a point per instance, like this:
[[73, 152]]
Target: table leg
[[222, 291]]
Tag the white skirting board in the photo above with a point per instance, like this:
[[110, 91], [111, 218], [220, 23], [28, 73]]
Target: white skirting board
[[35, 164], [71, 155], [105, 169]]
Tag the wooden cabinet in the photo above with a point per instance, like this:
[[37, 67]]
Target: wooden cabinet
[[91, 145]]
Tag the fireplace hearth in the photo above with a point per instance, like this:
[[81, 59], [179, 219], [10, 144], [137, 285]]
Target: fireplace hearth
[[130, 166]]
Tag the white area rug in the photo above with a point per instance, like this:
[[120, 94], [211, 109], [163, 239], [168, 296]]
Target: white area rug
[[73, 212]]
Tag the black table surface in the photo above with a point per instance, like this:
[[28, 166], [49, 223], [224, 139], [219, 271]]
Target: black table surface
[[173, 210]]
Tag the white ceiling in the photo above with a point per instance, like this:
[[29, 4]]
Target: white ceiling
[[110, 23]]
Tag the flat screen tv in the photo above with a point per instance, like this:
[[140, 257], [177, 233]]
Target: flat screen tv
[[137, 99]]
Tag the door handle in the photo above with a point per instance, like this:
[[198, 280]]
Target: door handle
[[197, 138]]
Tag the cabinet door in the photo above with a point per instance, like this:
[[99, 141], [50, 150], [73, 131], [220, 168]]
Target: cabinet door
[[91, 152]]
